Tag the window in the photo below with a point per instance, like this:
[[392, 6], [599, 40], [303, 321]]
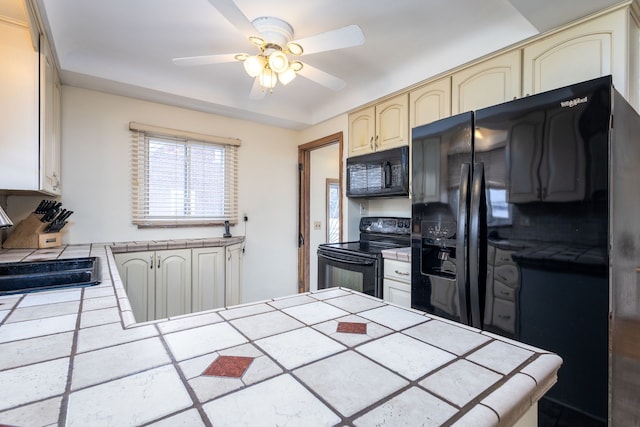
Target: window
[[182, 178]]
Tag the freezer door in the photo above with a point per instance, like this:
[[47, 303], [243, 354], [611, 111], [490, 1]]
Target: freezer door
[[440, 151]]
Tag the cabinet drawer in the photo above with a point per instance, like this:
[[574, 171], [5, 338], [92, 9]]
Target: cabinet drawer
[[503, 257], [504, 314], [397, 270], [503, 291], [507, 274]]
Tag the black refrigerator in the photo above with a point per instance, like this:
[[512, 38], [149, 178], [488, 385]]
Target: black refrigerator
[[526, 223]]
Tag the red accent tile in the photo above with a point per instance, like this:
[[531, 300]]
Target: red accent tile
[[228, 366], [352, 327]]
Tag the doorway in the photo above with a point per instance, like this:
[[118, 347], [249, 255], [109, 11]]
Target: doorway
[[319, 203]]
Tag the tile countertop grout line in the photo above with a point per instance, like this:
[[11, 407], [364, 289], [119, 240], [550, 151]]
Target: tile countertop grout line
[[196, 404], [64, 402]]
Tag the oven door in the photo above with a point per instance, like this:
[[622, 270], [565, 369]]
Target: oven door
[[349, 271]]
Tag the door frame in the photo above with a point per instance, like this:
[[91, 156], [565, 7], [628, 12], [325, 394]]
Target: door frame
[[304, 201]]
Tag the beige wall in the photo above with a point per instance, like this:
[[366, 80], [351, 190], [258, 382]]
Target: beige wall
[[96, 183]]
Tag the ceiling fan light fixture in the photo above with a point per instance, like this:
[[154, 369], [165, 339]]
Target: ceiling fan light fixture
[[254, 65], [287, 76], [296, 66], [241, 57], [294, 48], [268, 78], [278, 62]]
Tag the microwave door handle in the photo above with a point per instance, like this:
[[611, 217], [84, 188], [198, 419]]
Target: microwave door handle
[[462, 282], [344, 261]]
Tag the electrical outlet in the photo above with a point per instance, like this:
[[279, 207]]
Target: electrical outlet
[[317, 225]]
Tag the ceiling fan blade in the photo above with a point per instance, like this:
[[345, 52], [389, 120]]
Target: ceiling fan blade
[[205, 59], [341, 38], [257, 92], [230, 11], [322, 78]]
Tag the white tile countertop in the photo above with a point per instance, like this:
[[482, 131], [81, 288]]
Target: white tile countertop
[[334, 357], [399, 254]]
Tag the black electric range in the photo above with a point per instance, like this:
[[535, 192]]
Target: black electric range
[[358, 265]]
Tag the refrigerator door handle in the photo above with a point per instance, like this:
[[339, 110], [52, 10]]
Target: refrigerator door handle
[[462, 276], [477, 246]]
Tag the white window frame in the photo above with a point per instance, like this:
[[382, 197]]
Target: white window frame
[[182, 203]]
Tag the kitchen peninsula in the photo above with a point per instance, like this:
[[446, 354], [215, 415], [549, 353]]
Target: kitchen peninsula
[[333, 357]]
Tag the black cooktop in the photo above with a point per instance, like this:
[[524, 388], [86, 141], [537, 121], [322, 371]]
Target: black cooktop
[[376, 234]]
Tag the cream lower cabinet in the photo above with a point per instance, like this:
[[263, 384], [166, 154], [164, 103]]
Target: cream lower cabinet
[[158, 283], [168, 283], [396, 285], [208, 278], [233, 274]]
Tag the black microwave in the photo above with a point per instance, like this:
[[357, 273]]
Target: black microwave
[[380, 174]]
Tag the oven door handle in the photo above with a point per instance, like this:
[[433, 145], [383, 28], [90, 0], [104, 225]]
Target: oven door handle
[[344, 261]]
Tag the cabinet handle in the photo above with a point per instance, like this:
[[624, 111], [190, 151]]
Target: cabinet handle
[[158, 261], [504, 316], [57, 182], [376, 143], [150, 262], [401, 273], [371, 143]]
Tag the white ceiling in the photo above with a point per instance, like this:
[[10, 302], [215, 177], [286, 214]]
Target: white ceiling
[[126, 47]]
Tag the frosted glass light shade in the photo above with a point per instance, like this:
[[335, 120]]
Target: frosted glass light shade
[[268, 78], [287, 76], [278, 62], [254, 65]]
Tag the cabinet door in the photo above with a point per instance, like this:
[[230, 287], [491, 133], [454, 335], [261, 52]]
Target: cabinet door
[[49, 122], [233, 273], [18, 109], [577, 54], [430, 102], [207, 278], [361, 131], [488, 83], [392, 123], [137, 272], [173, 283], [397, 292]]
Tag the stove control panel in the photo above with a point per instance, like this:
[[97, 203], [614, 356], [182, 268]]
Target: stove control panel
[[385, 225]]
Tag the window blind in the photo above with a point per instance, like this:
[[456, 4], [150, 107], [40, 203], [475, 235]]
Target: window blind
[[182, 178]]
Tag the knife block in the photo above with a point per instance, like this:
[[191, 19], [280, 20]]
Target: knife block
[[29, 234]]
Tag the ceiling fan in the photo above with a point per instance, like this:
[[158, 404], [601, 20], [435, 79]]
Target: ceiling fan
[[274, 39]]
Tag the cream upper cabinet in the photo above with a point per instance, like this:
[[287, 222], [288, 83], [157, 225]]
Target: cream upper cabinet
[[50, 146], [430, 102], [29, 113], [379, 127], [362, 129], [490, 82], [392, 123], [586, 51], [18, 108]]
